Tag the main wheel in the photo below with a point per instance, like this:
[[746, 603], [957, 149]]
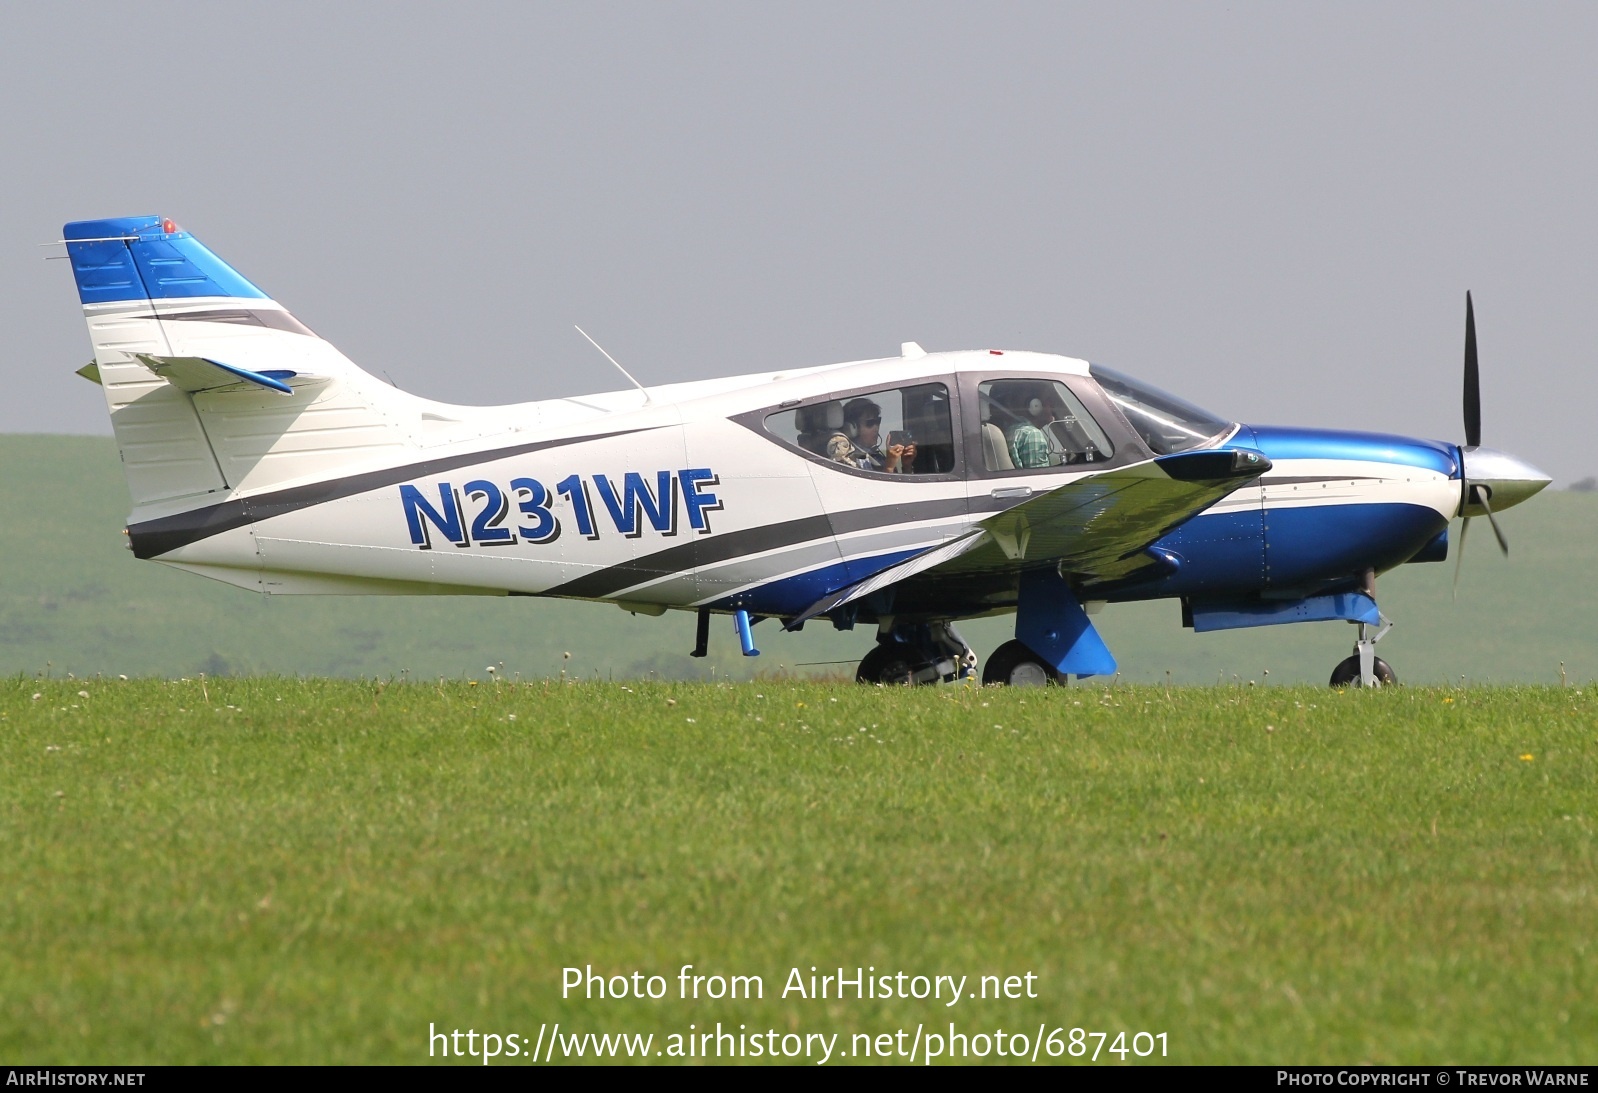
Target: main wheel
[[1014, 665], [886, 664], [1347, 672]]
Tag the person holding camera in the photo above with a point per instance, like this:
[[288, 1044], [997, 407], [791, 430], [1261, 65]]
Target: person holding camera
[[860, 443]]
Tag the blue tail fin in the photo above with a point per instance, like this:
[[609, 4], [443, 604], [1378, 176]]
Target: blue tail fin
[[147, 258]]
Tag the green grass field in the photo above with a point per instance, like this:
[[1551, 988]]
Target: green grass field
[[267, 870]]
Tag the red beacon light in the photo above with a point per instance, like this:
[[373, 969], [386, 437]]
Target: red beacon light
[[169, 226]]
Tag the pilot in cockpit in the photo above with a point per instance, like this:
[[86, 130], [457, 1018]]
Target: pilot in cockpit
[[859, 444]]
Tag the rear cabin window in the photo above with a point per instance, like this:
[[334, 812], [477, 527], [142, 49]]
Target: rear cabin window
[[897, 430]]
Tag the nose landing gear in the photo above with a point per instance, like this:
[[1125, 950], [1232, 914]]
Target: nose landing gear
[[1365, 667]]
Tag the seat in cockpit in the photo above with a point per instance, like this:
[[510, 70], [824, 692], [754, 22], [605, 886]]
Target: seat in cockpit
[[817, 424]]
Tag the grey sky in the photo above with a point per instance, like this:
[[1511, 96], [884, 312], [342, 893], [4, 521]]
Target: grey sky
[[1274, 210]]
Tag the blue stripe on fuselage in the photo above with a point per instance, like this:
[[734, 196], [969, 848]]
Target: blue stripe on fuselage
[[791, 595], [1286, 443]]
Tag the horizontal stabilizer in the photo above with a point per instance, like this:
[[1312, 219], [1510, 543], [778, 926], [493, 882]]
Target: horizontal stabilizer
[[202, 374]]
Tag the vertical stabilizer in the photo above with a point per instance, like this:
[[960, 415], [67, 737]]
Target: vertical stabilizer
[[165, 453], [212, 386]]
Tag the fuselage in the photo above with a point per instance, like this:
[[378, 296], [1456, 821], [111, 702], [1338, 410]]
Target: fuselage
[[699, 498]]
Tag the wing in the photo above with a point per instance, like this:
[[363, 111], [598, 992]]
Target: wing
[[1095, 526], [1098, 526]]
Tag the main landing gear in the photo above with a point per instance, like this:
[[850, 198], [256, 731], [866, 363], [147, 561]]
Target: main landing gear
[[934, 653], [917, 653], [1365, 667], [1014, 665]]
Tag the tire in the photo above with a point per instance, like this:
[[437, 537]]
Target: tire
[[1346, 674], [1014, 665], [886, 663]]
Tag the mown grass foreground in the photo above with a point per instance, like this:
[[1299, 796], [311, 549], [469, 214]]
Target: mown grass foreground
[[315, 871]]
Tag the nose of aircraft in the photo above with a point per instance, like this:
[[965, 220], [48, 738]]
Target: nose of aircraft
[[1506, 479]]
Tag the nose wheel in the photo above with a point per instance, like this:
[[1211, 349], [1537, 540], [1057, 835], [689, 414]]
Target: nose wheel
[[1347, 672], [1366, 668]]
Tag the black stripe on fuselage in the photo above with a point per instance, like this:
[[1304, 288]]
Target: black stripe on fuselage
[[153, 538], [674, 561]]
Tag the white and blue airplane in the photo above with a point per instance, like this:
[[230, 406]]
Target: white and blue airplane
[[905, 493]]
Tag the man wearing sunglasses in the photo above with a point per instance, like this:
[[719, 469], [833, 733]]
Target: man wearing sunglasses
[[860, 443]]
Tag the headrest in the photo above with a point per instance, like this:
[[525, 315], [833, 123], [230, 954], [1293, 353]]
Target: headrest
[[822, 417]]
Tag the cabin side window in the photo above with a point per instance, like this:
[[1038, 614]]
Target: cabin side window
[[1032, 423], [895, 430]]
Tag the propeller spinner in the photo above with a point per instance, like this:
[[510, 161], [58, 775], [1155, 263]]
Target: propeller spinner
[[1492, 479]]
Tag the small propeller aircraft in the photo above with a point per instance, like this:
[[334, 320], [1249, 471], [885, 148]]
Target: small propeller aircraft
[[905, 493]]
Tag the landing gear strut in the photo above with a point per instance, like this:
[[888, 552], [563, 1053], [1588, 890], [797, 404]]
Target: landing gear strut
[[917, 653], [1365, 667]]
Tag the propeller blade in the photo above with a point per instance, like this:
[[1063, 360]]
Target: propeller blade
[[1481, 498], [1472, 379], [1459, 559]]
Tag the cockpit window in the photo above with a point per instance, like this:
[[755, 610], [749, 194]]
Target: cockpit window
[[898, 430], [1166, 423], [1033, 423]]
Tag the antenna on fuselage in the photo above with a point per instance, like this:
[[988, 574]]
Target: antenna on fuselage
[[647, 400]]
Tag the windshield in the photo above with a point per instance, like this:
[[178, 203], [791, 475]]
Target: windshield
[[1166, 423]]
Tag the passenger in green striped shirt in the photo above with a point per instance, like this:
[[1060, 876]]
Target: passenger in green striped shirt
[[1028, 446]]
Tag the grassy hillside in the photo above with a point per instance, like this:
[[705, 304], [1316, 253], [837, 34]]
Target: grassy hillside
[[73, 600]]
